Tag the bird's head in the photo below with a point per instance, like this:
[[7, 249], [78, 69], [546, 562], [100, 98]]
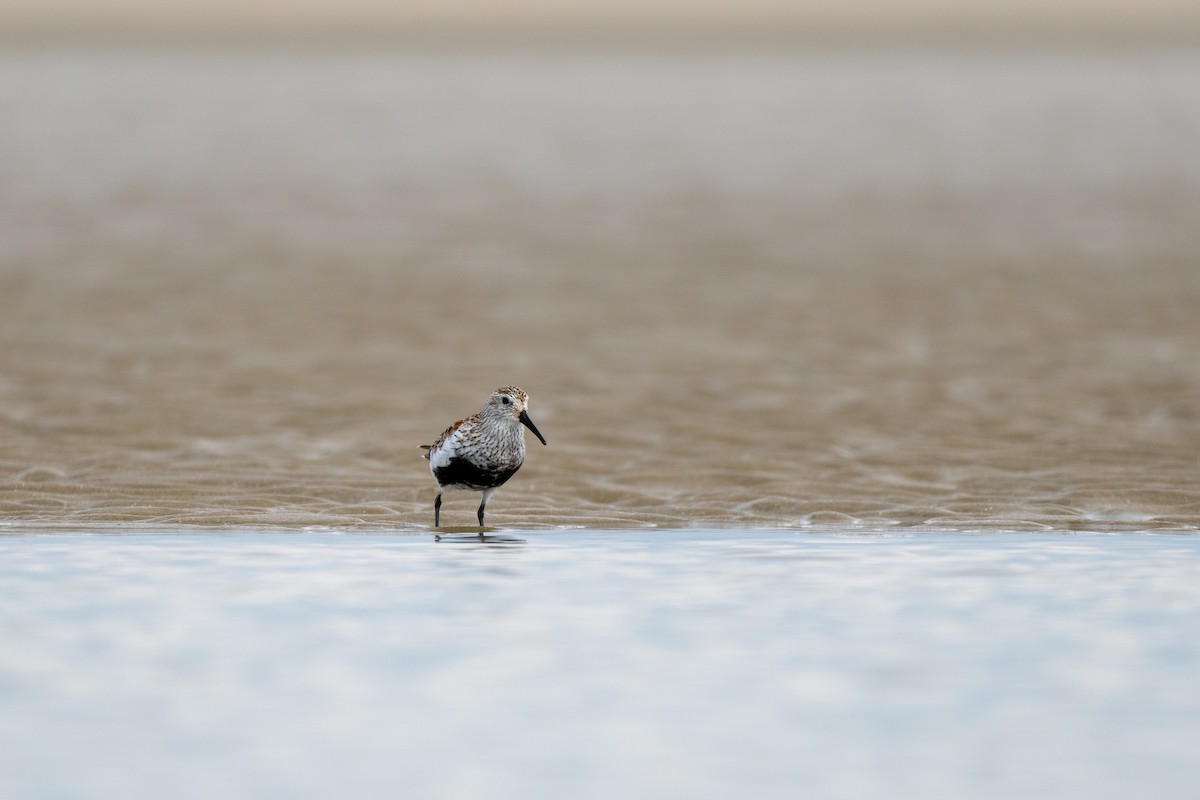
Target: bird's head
[[510, 402]]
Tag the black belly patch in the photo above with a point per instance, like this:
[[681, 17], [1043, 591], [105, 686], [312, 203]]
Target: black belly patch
[[460, 472]]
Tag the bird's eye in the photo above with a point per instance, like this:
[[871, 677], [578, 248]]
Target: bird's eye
[[506, 401]]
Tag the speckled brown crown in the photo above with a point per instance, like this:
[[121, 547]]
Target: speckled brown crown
[[513, 391]]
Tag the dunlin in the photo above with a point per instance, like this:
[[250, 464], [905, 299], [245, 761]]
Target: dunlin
[[484, 450]]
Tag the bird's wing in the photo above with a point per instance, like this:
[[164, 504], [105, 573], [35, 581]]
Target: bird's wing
[[447, 434]]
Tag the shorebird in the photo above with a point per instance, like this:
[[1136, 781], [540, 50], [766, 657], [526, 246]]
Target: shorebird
[[484, 450]]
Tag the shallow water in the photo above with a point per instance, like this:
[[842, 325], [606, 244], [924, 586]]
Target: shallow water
[[744, 290], [884, 299], [683, 663]]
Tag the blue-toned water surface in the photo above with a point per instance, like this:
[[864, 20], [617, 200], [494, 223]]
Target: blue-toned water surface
[[686, 663]]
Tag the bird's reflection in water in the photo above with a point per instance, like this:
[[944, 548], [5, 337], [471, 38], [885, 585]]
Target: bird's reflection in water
[[476, 536]]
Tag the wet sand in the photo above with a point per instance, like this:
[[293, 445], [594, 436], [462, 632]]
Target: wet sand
[[741, 290]]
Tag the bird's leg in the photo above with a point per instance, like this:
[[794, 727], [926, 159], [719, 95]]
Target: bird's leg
[[483, 503], [437, 509]]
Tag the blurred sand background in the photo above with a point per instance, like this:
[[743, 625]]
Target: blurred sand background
[[752, 286], [658, 20]]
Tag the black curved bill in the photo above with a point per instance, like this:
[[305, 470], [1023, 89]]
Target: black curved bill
[[528, 423]]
